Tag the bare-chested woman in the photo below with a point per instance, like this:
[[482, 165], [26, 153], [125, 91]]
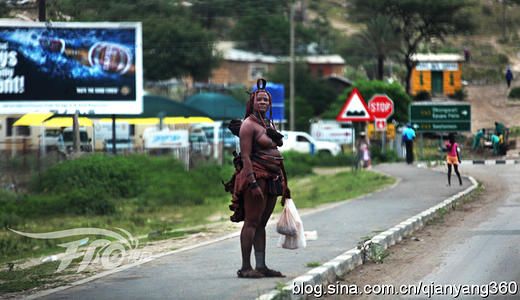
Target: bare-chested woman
[[259, 180]]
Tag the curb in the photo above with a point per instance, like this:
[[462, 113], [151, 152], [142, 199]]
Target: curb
[[422, 164], [491, 162], [349, 260]]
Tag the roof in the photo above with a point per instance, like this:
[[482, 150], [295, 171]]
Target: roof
[[66, 122], [32, 119], [446, 57], [230, 53], [217, 106], [325, 59], [153, 105], [335, 77]]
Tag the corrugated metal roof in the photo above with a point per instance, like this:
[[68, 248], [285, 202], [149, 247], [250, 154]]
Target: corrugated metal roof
[[437, 57], [230, 53], [325, 59]]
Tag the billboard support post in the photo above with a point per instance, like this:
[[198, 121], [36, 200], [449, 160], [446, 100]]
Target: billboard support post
[[114, 135], [75, 129]]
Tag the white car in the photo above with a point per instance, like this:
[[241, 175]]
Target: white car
[[302, 142]]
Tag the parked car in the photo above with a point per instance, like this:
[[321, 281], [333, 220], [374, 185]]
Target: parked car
[[85, 144], [302, 142], [230, 140], [199, 142]]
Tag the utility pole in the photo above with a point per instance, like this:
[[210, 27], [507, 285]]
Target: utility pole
[[291, 69], [41, 11]]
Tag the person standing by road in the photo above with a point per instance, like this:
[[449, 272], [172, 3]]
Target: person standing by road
[[364, 150], [453, 158], [509, 77], [408, 138], [258, 180]]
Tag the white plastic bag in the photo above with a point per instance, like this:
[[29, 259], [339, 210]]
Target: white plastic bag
[[291, 241]]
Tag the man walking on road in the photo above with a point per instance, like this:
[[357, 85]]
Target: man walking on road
[[509, 77], [408, 137]]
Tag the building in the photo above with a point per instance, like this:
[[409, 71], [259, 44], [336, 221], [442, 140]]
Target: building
[[437, 74], [239, 66]]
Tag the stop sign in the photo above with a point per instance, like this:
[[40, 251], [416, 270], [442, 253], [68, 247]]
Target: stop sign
[[381, 107]]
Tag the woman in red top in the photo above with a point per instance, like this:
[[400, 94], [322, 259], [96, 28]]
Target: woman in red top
[[452, 158]]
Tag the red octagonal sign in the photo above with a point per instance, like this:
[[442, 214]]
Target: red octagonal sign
[[381, 107]]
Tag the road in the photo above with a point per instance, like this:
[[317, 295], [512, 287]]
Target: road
[[209, 272], [476, 245]]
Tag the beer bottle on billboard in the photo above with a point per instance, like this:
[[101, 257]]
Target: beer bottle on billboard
[[109, 57]]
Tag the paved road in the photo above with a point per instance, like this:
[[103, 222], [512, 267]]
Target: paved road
[[490, 251], [209, 272]]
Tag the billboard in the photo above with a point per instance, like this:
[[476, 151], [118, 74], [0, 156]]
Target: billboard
[[93, 68]]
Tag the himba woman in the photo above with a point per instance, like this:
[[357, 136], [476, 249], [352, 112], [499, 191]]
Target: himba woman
[[258, 180]]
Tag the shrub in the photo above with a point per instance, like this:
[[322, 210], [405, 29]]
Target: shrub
[[514, 93], [117, 176], [380, 157], [297, 164], [422, 96], [459, 94]]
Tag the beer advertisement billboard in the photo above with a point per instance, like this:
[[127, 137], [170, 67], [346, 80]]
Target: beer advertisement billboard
[[93, 68]]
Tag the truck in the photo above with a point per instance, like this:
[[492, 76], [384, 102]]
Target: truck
[[333, 131], [302, 142]]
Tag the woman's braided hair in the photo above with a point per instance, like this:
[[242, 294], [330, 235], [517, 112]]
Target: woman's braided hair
[[261, 85]]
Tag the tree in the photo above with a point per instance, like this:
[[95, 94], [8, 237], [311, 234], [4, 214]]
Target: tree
[[417, 22], [314, 90], [380, 39], [173, 44]]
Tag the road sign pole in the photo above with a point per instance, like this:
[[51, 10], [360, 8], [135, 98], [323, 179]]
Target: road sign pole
[[383, 141], [421, 146]]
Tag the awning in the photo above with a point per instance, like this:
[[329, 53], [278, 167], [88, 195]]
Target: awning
[[188, 120], [166, 120], [134, 121], [32, 119], [67, 122]]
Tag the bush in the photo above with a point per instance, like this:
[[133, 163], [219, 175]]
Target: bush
[[515, 93], [379, 157], [422, 96], [117, 176], [297, 164], [459, 94]]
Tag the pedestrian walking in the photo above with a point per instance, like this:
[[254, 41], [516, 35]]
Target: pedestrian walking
[[364, 150], [509, 77], [453, 158], [408, 138]]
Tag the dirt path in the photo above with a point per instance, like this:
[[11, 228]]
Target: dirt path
[[489, 104]]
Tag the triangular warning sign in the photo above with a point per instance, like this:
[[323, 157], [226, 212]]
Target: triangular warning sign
[[355, 109]]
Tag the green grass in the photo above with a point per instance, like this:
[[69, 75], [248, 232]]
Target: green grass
[[172, 221], [24, 279], [313, 264]]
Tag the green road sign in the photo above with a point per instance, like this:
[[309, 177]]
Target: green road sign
[[440, 117]]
